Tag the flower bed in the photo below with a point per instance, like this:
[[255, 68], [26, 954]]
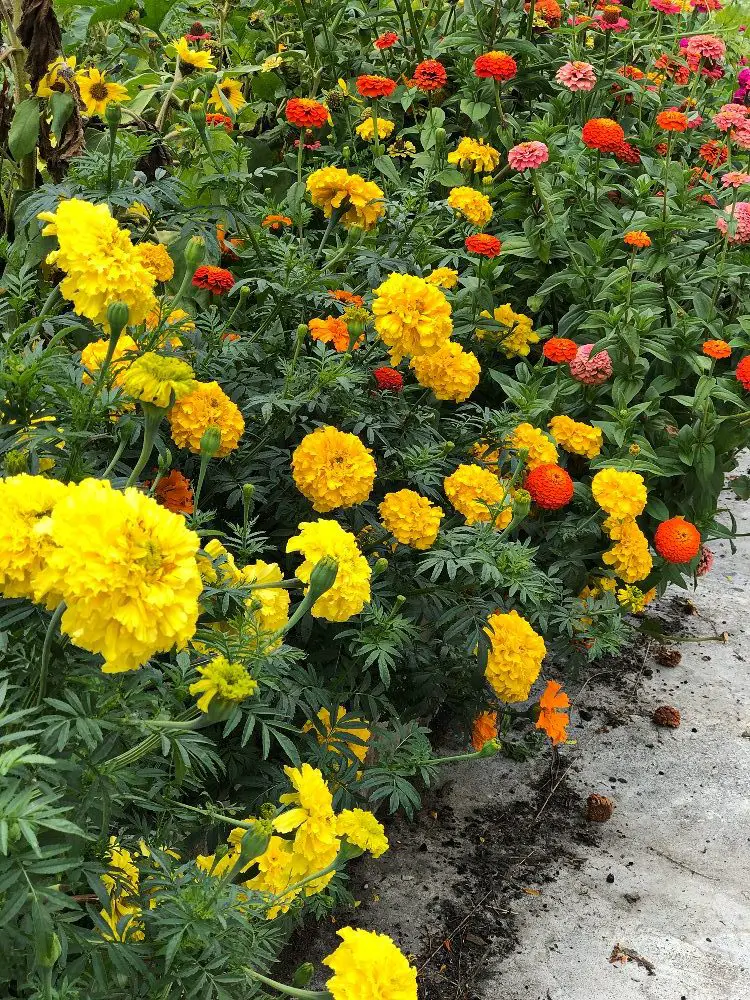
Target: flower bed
[[353, 369]]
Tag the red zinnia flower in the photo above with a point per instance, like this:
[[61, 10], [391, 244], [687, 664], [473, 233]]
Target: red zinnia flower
[[224, 120], [550, 486], [304, 112], [742, 373], [386, 40], [388, 379], [496, 65], [483, 244], [672, 120], [627, 153], [375, 86], [561, 350], [677, 540], [214, 279], [430, 75], [713, 152], [603, 134]]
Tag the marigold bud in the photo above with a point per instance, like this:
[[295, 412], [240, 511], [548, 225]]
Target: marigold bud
[[113, 114], [379, 568], [195, 251], [303, 975], [210, 441], [117, 317], [322, 577]]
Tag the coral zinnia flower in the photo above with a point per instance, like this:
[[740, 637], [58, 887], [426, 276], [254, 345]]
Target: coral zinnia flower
[[276, 222], [386, 40], [96, 91], [483, 245], [231, 90], [374, 86], [716, 349], [672, 120], [637, 239], [611, 19], [214, 121], [735, 179], [528, 155], [560, 349], [576, 76], [550, 486], [175, 493], [742, 373], [388, 379], [430, 75], [304, 112], [677, 540], [551, 717], [603, 134], [483, 729], [213, 279], [591, 371], [497, 66]]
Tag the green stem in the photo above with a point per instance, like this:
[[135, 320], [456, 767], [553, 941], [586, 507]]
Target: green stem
[[666, 177], [205, 459], [47, 652], [110, 158], [115, 459], [153, 415], [530, 19], [291, 991]]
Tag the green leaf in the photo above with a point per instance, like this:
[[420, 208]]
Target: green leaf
[[154, 12], [387, 168], [741, 487], [114, 11], [449, 177], [476, 110], [24, 131], [62, 108], [266, 86]]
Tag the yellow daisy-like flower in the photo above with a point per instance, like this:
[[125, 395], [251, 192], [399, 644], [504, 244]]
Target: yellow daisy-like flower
[[476, 155], [206, 406], [575, 437], [93, 355], [58, 78], [629, 557], [122, 883], [271, 62], [539, 448], [443, 277], [24, 500], [472, 205], [155, 258], [369, 966], [411, 518], [273, 612], [96, 91], [351, 589], [126, 568], [99, 261], [366, 131], [224, 681], [621, 494], [334, 733], [516, 333], [411, 316], [332, 187], [199, 58], [362, 829], [515, 656], [158, 380], [333, 469], [472, 489], [232, 91], [452, 373]]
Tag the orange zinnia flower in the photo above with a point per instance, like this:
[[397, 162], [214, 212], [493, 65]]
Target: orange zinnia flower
[[375, 86], [550, 486], [224, 120], [560, 349], [304, 112], [677, 540], [603, 134], [672, 120], [430, 75], [175, 493], [341, 295], [742, 372], [483, 729], [716, 349], [214, 279], [483, 244], [495, 65], [551, 719], [637, 239]]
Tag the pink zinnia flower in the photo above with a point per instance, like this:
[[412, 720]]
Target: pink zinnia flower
[[741, 216], [695, 122], [707, 47], [735, 179], [608, 22], [591, 371], [743, 78], [576, 76], [730, 116], [528, 155], [705, 562], [666, 6], [741, 136]]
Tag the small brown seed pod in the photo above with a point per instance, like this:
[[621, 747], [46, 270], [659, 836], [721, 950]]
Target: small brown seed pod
[[666, 716], [667, 657], [599, 808]]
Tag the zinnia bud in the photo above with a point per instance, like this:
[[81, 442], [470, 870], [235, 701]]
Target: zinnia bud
[[195, 251], [440, 136], [323, 577]]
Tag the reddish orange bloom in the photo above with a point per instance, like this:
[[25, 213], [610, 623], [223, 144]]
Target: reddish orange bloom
[[552, 719], [231, 338], [227, 246], [304, 112], [677, 540], [496, 66], [631, 72], [341, 295], [661, 149], [561, 350], [672, 120], [375, 86], [483, 244], [637, 239], [483, 729], [276, 222], [220, 120], [214, 279], [430, 75], [603, 134], [713, 152], [386, 40], [331, 330], [550, 486], [675, 70], [742, 373], [716, 349], [548, 11], [175, 493], [627, 153]]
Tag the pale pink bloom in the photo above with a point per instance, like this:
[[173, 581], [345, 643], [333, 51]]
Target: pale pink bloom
[[528, 155], [695, 122], [608, 22], [735, 179], [741, 136], [707, 47], [666, 6], [576, 76], [741, 216], [591, 371], [705, 562], [730, 116]]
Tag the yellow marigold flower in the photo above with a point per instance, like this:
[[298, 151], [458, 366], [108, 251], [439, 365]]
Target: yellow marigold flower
[[471, 489], [330, 187], [516, 333], [334, 733], [443, 277], [93, 355], [125, 567], [99, 261], [629, 557], [575, 437], [351, 589], [24, 500], [96, 91], [177, 317], [488, 457], [621, 494], [333, 469], [311, 817], [634, 600], [366, 131], [222, 569], [476, 155], [452, 373], [411, 316], [155, 258], [411, 518], [209, 864], [278, 868], [224, 681], [206, 406], [540, 449], [369, 965], [273, 612], [60, 73], [158, 380], [271, 62], [200, 58], [232, 92], [515, 656], [362, 829], [472, 205]]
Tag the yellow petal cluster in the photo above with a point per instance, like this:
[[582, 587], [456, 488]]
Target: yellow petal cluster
[[335, 733], [621, 494], [232, 91], [126, 568], [200, 58], [362, 829], [539, 448], [97, 91], [516, 333], [158, 380], [633, 598], [471, 488], [206, 406], [57, 80], [122, 882], [410, 518], [273, 612], [515, 656], [24, 501], [93, 355], [629, 557], [224, 681], [476, 155], [369, 966], [351, 589], [155, 258], [472, 205], [333, 469], [100, 263], [332, 187], [452, 373], [366, 131], [443, 277], [412, 316], [221, 568], [576, 437]]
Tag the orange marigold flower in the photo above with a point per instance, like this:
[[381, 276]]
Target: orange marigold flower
[[213, 121], [276, 222], [304, 112], [550, 486], [743, 372], [430, 75], [637, 239], [496, 66], [341, 295], [552, 719], [375, 86], [561, 350], [227, 246], [716, 349], [331, 330], [603, 134], [672, 121], [175, 493], [547, 11], [677, 540], [483, 244], [214, 279], [484, 729]]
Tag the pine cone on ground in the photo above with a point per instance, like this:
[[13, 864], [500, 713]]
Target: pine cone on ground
[[667, 717], [599, 808], [667, 656]]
